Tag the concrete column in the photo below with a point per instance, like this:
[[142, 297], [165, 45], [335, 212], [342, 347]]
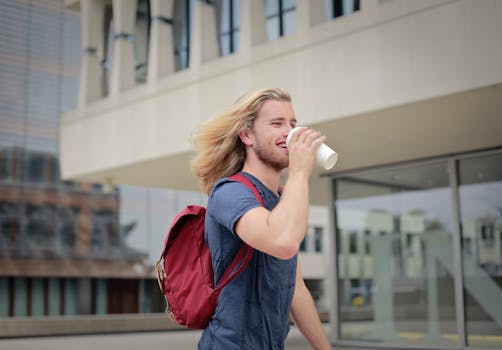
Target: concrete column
[[253, 29], [302, 16], [91, 72], [161, 51], [317, 11], [122, 70], [204, 38], [369, 6]]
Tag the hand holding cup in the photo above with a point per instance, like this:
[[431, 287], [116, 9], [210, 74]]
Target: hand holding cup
[[325, 156]]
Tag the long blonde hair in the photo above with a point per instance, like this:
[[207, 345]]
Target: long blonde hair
[[219, 150]]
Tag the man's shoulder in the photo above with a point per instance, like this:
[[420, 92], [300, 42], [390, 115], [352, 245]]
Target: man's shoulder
[[228, 184], [231, 194]]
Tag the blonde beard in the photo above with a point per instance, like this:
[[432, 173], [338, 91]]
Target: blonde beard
[[270, 159]]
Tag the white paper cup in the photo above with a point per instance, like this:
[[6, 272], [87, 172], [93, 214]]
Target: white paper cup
[[325, 156]]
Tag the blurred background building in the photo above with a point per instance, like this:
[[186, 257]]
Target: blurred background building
[[99, 98]]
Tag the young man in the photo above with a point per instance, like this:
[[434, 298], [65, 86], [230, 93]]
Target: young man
[[253, 310]]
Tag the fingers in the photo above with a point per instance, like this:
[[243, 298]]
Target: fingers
[[297, 132], [309, 137], [303, 150]]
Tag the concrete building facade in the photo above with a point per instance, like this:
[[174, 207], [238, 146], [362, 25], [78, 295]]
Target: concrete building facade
[[408, 93]]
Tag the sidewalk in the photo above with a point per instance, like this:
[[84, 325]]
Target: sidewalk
[[169, 340]]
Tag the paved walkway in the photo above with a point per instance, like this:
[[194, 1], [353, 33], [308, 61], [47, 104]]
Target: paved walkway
[[170, 340]]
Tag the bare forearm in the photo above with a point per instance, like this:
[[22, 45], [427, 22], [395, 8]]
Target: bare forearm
[[306, 318], [288, 220]]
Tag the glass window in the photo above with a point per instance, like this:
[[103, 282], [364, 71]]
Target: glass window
[[99, 243], [403, 271], [273, 28], [367, 239], [106, 60], [353, 243], [229, 19], [71, 296], [480, 195], [5, 164], [53, 170], [9, 227], [67, 223], [303, 245], [317, 291], [36, 167], [281, 18], [338, 8], [271, 7], [4, 297], [38, 227], [181, 33], [145, 215], [141, 36], [289, 22], [20, 301], [318, 237], [106, 238]]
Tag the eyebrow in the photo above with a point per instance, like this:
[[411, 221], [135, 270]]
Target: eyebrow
[[294, 120]]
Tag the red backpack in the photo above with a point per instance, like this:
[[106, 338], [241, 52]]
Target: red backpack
[[186, 275]]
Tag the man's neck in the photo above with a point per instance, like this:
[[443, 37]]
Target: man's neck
[[268, 176]]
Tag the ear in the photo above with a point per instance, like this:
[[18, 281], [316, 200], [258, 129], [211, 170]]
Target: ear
[[246, 137]]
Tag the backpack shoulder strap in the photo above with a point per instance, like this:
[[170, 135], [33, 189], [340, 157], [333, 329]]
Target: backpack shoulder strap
[[245, 181], [245, 253]]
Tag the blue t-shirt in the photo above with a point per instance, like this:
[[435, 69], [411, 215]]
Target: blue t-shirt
[[253, 309]]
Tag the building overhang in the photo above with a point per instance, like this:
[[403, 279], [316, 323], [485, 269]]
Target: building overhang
[[438, 126], [388, 84]]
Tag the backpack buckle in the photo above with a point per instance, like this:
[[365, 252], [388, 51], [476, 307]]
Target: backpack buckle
[[169, 311], [160, 276]]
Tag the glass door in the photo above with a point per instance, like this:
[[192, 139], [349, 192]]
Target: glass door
[[480, 197], [395, 257]]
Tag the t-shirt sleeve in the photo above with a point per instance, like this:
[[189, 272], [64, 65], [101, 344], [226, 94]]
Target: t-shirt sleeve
[[229, 201]]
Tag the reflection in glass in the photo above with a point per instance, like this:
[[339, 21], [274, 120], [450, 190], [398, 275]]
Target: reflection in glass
[[337, 8], [229, 23], [141, 37], [271, 7], [395, 261], [289, 22], [273, 28], [480, 194], [67, 219], [145, 215], [280, 17], [106, 60], [313, 240], [181, 33], [318, 238], [36, 167]]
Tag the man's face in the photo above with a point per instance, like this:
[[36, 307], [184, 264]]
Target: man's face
[[271, 127]]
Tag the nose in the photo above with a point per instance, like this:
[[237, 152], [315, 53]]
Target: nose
[[287, 130]]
